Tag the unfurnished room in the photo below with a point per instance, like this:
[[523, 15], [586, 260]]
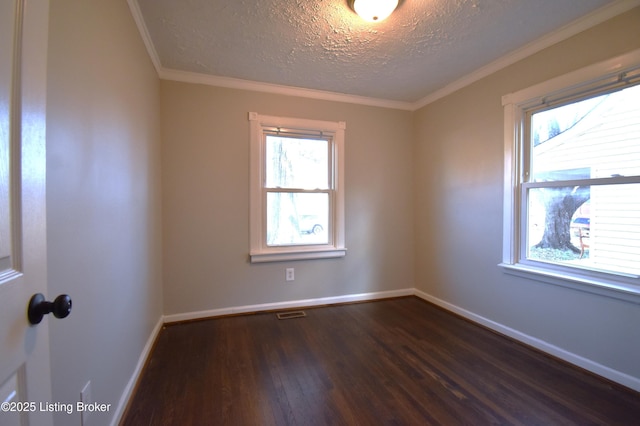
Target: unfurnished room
[[322, 212]]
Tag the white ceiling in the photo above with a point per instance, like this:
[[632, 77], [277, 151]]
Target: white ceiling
[[422, 48]]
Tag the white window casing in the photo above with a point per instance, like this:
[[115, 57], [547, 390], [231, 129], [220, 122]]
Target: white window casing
[[599, 78], [259, 250]]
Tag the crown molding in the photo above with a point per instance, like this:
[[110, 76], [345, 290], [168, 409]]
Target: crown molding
[[594, 18], [588, 21], [236, 83], [144, 33]]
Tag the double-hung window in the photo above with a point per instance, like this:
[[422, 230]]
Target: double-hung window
[[297, 188], [572, 179]]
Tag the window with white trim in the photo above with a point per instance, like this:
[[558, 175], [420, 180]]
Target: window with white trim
[[572, 178], [296, 188]]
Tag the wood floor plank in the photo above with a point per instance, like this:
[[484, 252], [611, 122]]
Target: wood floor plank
[[393, 362]]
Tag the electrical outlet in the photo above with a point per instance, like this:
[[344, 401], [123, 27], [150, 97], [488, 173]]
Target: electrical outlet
[[290, 275], [85, 398]]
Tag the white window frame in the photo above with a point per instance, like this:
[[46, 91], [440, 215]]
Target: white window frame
[[594, 79], [259, 251]]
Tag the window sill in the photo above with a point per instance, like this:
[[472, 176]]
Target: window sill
[[281, 256], [590, 284]]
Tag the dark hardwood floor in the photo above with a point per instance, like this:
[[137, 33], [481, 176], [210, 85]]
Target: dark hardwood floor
[[393, 362]]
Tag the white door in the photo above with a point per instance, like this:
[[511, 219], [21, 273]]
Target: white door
[[25, 380]]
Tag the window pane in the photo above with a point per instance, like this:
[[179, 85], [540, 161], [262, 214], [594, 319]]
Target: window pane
[[297, 218], [594, 227], [297, 163], [594, 138]]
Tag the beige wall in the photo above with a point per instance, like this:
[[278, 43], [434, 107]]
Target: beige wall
[[458, 205], [103, 199], [205, 160]]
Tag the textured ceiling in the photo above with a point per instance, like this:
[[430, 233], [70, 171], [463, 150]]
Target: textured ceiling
[[322, 44]]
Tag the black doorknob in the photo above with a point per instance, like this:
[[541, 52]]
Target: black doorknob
[[39, 307]]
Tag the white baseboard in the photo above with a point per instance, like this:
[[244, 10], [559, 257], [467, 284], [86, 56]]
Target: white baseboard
[[587, 364], [124, 398], [305, 303]]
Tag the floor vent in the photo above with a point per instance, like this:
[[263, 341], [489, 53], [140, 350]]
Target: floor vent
[[289, 315]]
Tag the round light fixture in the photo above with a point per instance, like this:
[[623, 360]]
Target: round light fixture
[[373, 10]]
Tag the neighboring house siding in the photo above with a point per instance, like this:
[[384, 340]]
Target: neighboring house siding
[[615, 227], [613, 146]]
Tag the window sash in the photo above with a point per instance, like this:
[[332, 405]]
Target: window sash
[[310, 245], [300, 135], [609, 221], [528, 185], [616, 180]]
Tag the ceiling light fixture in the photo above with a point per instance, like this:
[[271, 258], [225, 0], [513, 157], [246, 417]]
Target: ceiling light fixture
[[373, 10]]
